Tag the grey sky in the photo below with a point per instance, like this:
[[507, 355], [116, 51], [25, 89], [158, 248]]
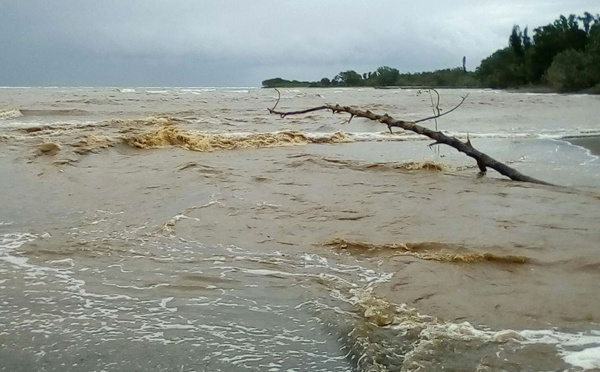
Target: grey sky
[[241, 43]]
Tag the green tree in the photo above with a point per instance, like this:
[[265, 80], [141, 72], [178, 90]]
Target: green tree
[[593, 54], [325, 82], [387, 76], [516, 41], [503, 69], [348, 78], [587, 20], [526, 39], [569, 72], [552, 39]]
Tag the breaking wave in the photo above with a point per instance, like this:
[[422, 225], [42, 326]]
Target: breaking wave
[[427, 165], [398, 337], [92, 143], [57, 112], [422, 165], [401, 135], [432, 251], [170, 135], [10, 114]]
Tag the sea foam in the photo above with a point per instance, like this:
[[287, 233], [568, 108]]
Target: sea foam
[[10, 114]]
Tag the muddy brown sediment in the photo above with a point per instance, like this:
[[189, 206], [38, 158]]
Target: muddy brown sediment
[[171, 135], [433, 251], [157, 133], [460, 247], [484, 235]]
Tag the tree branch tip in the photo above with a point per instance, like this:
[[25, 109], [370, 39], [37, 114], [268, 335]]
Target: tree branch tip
[[278, 99], [469, 141]]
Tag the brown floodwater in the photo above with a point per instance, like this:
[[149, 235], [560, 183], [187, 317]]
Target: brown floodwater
[[188, 229]]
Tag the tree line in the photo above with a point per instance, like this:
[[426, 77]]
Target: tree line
[[385, 76], [563, 55]]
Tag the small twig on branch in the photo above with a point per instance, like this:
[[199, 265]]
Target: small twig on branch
[[278, 98], [483, 160], [445, 113], [435, 107]]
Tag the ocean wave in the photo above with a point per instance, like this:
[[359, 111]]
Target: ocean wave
[[410, 136], [421, 165], [170, 135], [6, 114], [57, 112], [93, 143], [198, 90], [158, 91], [429, 165], [49, 147], [431, 251], [423, 341]]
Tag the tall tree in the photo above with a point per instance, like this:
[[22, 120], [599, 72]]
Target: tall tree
[[587, 21], [387, 76], [526, 39], [348, 78], [552, 39], [516, 41]]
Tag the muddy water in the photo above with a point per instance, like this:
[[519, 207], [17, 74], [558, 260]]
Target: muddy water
[[187, 229]]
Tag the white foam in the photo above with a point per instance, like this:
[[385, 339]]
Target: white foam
[[10, 242], [6, 114], [404, 136], [541, 94], [586, 359], [578, 349]]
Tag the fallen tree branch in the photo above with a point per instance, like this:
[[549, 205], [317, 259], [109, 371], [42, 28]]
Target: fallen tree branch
[[483, 160]]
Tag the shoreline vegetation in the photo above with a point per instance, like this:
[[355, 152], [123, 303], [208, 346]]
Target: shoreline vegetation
[[563, 56]]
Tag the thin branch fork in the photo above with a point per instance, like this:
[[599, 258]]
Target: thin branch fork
[[483, 160]]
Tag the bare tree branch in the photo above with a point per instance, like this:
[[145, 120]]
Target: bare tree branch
[[483, 161], [438, 115]]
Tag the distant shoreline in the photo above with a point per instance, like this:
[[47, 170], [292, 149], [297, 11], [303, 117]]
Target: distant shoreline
[[526, 89]]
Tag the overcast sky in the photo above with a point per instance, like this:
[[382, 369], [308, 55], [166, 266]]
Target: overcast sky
[[241, 43]]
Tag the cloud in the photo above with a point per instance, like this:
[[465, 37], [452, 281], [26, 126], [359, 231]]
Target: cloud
[[253, 37]]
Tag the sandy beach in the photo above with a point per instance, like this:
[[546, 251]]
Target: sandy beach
[[190, 222]]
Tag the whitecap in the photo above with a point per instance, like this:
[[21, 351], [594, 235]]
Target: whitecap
[[6, 114], [586, 358]]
